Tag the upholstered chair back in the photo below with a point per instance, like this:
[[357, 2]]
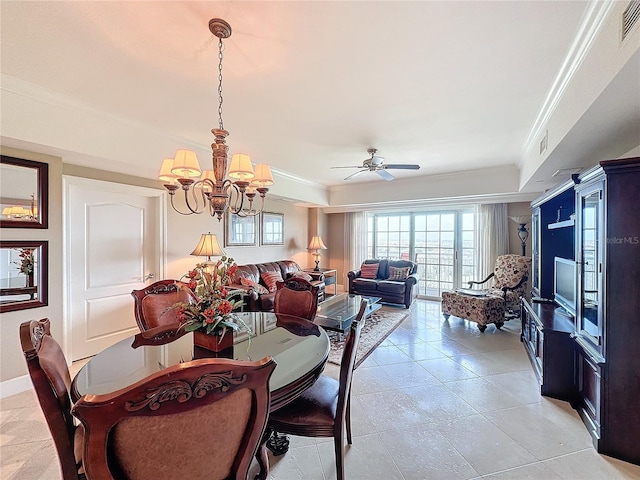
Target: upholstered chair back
[[509, 270], [51, 380], [202, 419], [153, 304], [296, 296]]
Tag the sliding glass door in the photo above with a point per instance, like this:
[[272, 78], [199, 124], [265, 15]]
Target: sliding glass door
[[443, 243]]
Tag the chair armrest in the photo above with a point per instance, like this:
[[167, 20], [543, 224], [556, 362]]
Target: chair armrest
[[471, 283], [522, 281]]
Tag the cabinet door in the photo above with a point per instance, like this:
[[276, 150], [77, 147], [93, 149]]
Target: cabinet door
[[535, 252], [590, 249]]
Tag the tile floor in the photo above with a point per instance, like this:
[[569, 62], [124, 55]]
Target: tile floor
[[436, 400]]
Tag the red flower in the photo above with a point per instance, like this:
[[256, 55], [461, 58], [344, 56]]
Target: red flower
[[192, 284], [232, 269], [209, 313], [210, 320], [224, 292], [192, 274], [225, 307]]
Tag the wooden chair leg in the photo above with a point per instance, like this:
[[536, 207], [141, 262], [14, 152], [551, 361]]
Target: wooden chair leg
[[348, 419], [339, 451]]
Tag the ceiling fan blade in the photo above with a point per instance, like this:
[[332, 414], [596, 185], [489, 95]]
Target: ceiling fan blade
[[386, 175], [401, 166], [349, 166], [357, 173]]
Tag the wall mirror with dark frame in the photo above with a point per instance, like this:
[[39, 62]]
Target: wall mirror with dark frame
[[23, 274], [24, 193]]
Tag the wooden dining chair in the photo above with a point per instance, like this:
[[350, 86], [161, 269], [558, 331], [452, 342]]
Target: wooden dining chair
[[153, 303], [51, 380], [202, 419], [296, 296], [324, 410]]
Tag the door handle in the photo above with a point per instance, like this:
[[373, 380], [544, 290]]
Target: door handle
[[148, 276]]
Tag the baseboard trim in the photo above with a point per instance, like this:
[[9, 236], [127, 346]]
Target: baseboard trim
[[15, 386]]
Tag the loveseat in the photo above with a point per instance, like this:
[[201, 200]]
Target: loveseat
[[400, 288], [256, 299]]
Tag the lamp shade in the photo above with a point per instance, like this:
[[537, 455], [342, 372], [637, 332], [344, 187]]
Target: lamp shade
[[166, 175], [241, 167], [263, 176], [185, 164], [317, 243], [521, 220], [208, 246]]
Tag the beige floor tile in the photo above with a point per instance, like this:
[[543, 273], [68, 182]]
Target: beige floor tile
[[487, 448], [421, 351], [534, 471], [365, 459], [589, 465], [15, 456], [302, 463], [391, 411], [407, 375], [388, 355], [522, 385], [371, 379], [482, 395], [446, 369], [424, 453], [545, 429], [438, 403]]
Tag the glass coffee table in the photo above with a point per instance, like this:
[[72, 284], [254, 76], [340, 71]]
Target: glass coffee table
[[337, 312]]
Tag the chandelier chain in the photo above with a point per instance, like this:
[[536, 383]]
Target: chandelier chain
[[220, 99]]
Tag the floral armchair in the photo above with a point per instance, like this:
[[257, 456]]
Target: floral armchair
[[496, 303], [509, 279]]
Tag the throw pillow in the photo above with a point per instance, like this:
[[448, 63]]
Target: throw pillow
[[271, 279], [369, 270], [303, 275], [256, 286], [398, 273]]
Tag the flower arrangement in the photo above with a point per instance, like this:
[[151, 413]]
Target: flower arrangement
[[26, 261], [211, 313]]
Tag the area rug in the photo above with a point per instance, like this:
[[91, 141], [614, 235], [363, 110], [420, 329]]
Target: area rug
[[376, 328]]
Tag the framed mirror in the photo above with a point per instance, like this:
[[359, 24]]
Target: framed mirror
[[23, 274], [272, 231], [240, 231], [24, 193]]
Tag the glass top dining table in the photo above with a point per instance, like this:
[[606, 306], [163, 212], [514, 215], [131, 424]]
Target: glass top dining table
[[299, 347]]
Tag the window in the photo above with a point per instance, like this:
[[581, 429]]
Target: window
[[443, 243]]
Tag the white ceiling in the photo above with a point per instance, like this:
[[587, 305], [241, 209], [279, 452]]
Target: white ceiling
[[452, 86]]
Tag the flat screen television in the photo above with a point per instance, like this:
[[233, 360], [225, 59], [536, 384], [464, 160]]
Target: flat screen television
[[564, 284]]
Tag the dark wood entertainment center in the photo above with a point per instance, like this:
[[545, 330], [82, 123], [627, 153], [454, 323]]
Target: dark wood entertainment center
[[592, 358]]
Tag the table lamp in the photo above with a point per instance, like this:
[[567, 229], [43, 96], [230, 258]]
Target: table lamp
[[208, 246], [317, 244]]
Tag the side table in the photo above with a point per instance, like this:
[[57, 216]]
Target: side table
[[330, 277]]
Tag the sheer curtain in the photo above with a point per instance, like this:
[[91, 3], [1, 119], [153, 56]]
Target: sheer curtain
[[357, 226], [493, 236]]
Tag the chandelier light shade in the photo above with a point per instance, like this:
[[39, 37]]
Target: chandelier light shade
[[523, 233], [208, 246], [317, 244], [209, 190]]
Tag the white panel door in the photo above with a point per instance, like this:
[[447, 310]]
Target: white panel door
[[114, 244]]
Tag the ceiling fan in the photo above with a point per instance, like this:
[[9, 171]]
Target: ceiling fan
[[376, 164]]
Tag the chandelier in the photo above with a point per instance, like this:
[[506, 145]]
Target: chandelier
[[209, 189]]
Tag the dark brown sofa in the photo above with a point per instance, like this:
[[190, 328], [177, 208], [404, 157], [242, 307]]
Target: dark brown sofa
[[390, 291], [264, 302]]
